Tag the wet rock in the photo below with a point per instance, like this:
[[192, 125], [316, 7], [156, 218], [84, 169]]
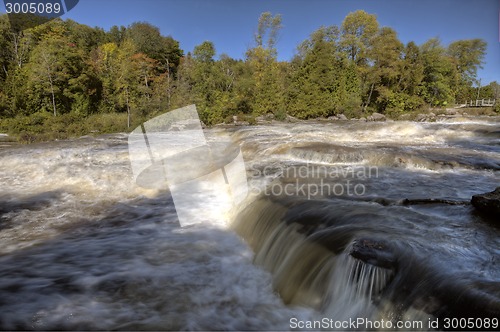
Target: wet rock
[[290, 118], [378, 117], [375, 252], [335, 239], [342, 117], [488, 203], [6, 138], [241, 123], [422, 201]]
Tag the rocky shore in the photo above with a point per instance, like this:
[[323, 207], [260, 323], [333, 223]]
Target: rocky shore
[[432, 115]]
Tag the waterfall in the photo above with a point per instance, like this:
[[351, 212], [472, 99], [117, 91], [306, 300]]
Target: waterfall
[[306, 273], [354, 288]]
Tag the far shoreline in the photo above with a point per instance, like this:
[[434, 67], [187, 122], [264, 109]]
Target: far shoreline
[[430, 116]]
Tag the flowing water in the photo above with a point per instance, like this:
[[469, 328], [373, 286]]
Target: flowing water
[[340, 223]]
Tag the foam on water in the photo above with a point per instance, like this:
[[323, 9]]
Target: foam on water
[[83, 247]]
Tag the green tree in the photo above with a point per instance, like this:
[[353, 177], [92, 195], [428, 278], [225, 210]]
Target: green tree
[[269, 26], [15, 46], [412, 71], [54, 68], [438, 73], [268, 93], [467, 56], [184, 83], [203, 82], [84, 37], [105, 65], [148, 40], [204, 52], [5, 48], [209, 87], [164, 51], [386, 56], [495, 91], [244, 87], [358, 29], [116, 34], [324, 82], [127, 82]]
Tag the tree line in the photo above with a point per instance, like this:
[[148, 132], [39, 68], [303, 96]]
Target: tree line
[[63, 67]]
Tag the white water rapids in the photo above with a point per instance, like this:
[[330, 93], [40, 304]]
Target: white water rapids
[[84, 248]]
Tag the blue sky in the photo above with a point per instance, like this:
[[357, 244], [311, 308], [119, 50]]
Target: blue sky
[[231, 24]]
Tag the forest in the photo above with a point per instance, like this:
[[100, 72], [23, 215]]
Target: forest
[[64, 79]]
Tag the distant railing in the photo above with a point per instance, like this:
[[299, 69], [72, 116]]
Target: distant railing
[[481, 103]]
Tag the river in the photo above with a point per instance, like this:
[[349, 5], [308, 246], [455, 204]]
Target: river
[[339, 223]]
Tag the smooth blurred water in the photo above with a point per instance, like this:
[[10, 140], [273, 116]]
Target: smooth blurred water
[[82, 247]]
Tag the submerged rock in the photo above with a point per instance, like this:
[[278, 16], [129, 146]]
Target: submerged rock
[[488, 203]]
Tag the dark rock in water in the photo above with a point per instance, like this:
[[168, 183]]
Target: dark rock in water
[[374, 252], [422, 201], [488, 203], [32, 203], [335, 239]]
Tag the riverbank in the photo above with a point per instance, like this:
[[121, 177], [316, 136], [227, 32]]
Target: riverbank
[[43, 127], [431, 115]]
